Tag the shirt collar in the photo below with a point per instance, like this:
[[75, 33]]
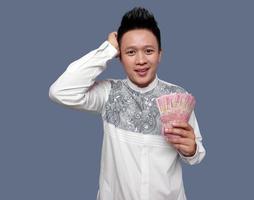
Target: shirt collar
[[151, 86]]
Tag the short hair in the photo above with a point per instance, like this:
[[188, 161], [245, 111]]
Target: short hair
[[139, 18]]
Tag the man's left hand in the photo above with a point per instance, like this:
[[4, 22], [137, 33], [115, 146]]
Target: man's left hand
[[182, 137]]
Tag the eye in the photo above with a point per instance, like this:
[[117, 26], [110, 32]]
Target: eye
[[130, 52], [149, 51]]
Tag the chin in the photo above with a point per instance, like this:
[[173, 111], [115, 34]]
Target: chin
[[143, 83]]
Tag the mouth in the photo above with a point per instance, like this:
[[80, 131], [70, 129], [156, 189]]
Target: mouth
[[142, 71]]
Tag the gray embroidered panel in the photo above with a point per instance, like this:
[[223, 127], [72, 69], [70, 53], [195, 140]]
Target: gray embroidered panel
[[133, 111]]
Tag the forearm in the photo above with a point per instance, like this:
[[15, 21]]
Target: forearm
[[73, 86]]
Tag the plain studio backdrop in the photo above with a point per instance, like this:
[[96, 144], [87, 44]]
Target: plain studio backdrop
[[49, 152]]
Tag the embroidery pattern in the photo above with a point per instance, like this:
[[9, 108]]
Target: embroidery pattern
[[133, 111]]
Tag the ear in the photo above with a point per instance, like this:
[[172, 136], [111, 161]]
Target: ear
[[160, 54], [119, 57]]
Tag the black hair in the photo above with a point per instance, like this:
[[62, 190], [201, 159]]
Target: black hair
[[139, 18]]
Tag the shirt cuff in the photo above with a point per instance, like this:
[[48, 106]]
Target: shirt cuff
[[110, 50], [196, 158]]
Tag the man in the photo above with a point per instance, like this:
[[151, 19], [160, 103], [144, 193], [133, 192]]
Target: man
[[137, 163]]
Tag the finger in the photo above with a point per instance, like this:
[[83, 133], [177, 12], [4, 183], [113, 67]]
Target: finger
[[183, 148], [186, 150], [177, 131], [175, 140], [171, 136], [180, 124], [180, 140]]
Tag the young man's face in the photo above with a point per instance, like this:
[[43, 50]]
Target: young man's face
[[140, 56]]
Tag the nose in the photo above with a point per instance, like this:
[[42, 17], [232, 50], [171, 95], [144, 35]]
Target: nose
[[140, 58]]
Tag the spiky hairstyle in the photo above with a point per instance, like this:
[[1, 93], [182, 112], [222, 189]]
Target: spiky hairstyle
[[139, 18]]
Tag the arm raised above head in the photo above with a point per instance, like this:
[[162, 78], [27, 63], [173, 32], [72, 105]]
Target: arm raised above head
[[77, 86]]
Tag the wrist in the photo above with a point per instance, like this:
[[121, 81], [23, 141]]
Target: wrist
[[190, 154]]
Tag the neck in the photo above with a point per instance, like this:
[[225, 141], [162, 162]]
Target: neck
[[145, 88]]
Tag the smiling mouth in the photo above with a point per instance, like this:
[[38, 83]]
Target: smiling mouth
[[142, 72]]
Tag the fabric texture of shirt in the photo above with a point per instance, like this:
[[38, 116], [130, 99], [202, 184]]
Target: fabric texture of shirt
[[136, 161]]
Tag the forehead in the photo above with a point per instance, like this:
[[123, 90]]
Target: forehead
[[138, 38]]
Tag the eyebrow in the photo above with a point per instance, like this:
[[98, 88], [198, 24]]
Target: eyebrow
[[135, 47]]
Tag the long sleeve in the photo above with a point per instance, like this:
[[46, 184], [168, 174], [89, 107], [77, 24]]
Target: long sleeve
[[200, 150], [77, 86]]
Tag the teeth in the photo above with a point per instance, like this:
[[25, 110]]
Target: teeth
[[141, 70]]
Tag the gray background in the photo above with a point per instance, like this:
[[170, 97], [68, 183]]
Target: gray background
[[50, 152]]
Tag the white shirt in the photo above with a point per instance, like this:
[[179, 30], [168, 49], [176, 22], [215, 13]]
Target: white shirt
[[136, 161]]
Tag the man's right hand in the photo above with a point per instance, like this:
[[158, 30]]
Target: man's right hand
[[112, 38]]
